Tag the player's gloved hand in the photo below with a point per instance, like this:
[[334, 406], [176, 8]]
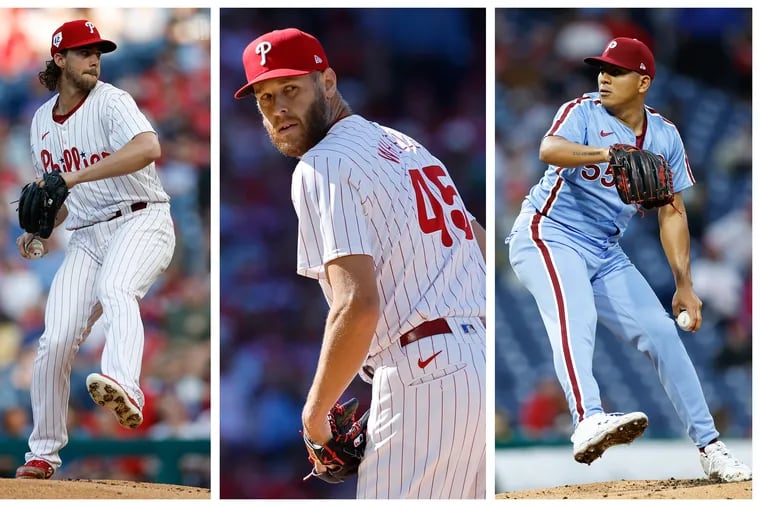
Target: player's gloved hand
[[641, 177], [39, 204], [339, 457]]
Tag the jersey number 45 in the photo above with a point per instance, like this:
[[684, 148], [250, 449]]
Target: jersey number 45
[[432, 207]]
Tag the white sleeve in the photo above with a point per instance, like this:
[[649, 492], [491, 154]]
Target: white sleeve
[[331, 220], [124, 120], [35, 149]]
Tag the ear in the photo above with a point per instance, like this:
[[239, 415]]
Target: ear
[[644, 83], [59, 59], [330, 81]]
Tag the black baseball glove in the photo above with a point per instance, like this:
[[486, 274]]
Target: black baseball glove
[[642, 178], [343, 453], [39, 204]]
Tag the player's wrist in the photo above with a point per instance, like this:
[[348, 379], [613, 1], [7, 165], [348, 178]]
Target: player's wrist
[[683, 282], [314, 420], [71, 179], [317, 430]]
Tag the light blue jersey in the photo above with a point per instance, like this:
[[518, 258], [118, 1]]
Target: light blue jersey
[[584, 198], [564, 248]]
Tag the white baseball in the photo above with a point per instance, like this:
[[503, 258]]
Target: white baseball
[[683, 320], [35, 248]]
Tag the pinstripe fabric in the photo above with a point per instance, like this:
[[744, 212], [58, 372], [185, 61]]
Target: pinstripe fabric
[[106, 121], [426, 431], [107, 267], [367, 189], [109, 263], [353, 195]]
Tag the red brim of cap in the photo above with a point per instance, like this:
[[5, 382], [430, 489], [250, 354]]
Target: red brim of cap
[[272, 74], [596, 60], [105, 46]]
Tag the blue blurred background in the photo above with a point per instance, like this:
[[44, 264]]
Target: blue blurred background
[[421, 71], [703, 85], [163, 61]]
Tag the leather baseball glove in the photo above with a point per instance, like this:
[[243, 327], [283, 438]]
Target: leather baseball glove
[[343, 453], [39, 204], [642, 178]]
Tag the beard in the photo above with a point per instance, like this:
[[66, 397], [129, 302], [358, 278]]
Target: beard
[[79, 81], [314, 126]]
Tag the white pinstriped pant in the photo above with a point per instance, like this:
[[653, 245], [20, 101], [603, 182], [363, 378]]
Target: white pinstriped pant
[[107, 268], [426, 430]]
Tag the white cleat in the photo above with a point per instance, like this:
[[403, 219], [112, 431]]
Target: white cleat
[[599, 432], [107, 393], [718, 463]]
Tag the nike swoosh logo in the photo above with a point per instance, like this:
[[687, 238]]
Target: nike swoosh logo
[[605, 134], [45, 134], [426, 362]]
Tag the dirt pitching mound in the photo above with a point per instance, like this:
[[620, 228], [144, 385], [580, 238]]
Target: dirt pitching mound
[[674, 489], [15, 488]]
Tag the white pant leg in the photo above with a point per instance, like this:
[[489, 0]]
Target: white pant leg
[[139, 248], [70, 312], [426, 431]]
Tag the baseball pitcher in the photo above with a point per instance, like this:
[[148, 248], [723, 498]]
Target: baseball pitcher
[[94, 157], [383, 230], [610, 156]]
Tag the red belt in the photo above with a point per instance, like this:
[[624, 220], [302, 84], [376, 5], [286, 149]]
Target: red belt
[[134, 207], [427, 328]]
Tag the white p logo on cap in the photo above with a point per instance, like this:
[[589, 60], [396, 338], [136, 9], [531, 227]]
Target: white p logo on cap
[[262, 49], [90, 26]]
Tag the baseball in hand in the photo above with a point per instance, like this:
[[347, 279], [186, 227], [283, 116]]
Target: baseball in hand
[[683, 320], [35, 249]]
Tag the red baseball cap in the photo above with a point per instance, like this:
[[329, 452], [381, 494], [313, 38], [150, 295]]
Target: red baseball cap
[[281, 53], [626, 53], [77, 34]]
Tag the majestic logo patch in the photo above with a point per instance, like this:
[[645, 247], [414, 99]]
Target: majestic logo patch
[[262, 49]]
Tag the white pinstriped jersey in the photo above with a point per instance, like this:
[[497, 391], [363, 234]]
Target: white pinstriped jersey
[[105, 121], [368, 189]]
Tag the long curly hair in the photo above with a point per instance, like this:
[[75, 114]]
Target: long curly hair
[[50, 76]]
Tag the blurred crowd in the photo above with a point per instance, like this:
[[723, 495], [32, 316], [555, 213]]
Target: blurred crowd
[[703, 85], [420, 71], [163, 61]]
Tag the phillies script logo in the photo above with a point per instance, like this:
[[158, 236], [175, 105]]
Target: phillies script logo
[[72, 160]]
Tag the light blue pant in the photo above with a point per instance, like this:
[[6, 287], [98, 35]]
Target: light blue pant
[[576, 284]]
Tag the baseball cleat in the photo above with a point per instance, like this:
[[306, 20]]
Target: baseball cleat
[[35, 469], [599, 432], [107, 393], [719, 464]]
